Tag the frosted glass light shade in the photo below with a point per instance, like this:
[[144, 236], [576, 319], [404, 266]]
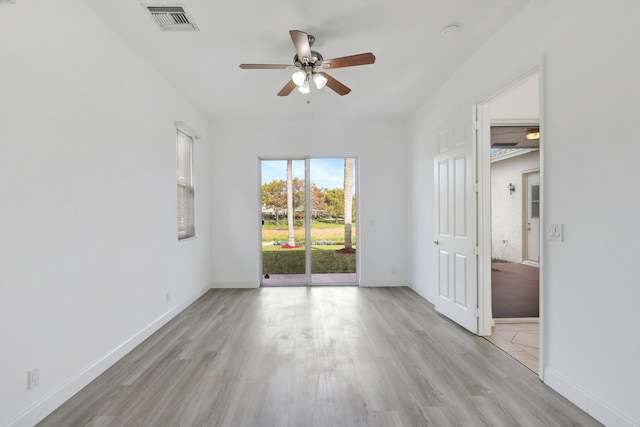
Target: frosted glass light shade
[[298, 77], [319, 80], [304, 87]]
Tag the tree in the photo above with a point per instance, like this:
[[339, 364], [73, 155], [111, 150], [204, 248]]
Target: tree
[[290, 213], [317, 200], [334, 200], [274, 197], [348, 201], [298, 196]]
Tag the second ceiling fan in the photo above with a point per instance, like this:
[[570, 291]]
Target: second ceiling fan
[[310, 65]]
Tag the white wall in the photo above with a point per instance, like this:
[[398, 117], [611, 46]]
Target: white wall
[[591, 149], [506, 206], [382, 198], [88, 219], [518, 102]]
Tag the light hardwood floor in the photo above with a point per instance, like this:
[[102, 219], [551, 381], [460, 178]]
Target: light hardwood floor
[[326, 356]]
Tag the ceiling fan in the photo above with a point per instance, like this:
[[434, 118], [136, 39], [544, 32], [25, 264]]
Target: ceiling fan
[[309, 65]]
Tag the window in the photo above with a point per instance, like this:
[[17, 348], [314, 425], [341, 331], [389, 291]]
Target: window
[[186, 223], [535, 201]]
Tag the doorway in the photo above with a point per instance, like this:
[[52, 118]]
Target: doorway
[[515, 222], [510, 214], [308, 222], [515, 285]]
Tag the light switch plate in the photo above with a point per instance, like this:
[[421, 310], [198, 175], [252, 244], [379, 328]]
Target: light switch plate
[[555, 232]]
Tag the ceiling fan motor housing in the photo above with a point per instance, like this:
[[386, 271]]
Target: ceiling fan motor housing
[[316, 60], [312, 39]]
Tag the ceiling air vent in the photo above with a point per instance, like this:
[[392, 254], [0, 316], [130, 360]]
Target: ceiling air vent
[[504, 144], [171, 18]]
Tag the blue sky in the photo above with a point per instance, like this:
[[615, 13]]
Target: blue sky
[[325, 173]]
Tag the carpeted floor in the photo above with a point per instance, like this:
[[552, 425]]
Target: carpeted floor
[[515, 290]]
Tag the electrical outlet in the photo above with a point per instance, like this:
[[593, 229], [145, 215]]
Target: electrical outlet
[[168, 297], [33, 378]]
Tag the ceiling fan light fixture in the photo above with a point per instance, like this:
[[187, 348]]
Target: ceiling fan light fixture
[[299, 77], [319, 80], [304, 87], [533, 133]]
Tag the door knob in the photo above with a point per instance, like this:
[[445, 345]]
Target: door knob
[[436, 242]]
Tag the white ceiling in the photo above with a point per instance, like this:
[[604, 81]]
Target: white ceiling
[[413, 57]]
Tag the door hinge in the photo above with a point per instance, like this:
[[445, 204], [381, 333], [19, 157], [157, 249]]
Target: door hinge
[[476, 250], [477, 312], [475, 187], [476, 125]]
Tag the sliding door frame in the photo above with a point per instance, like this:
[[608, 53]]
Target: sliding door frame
[[307, 218]]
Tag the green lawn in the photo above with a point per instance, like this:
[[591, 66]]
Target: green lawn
[[324, 259], [271, 224], [319, 232]]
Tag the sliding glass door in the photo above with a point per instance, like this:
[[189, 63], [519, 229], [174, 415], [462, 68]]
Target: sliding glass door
[[308, 217], [333, 225]]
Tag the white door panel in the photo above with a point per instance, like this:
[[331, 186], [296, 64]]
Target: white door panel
[[443, 197], [455, 234], [460, 196], [443, 275], [460, 280]]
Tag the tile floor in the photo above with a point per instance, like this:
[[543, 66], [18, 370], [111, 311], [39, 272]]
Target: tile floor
[[519, 340]]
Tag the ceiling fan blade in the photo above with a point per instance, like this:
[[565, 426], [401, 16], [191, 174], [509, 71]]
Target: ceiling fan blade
[[266, 66], [301, 42], [349, 61], [335, 85], [287, 89]]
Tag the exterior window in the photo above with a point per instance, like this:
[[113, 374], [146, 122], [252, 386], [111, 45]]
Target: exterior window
[[186, 223], [535, 201]]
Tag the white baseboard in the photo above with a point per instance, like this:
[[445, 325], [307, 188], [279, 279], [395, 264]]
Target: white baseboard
[[585, 401], [52, 400], [380, 284], [235, 285]]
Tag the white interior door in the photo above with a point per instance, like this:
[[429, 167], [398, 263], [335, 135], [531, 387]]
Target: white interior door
[[532, 225], [456, 227]]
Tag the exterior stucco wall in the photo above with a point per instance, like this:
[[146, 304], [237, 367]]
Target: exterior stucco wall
[[507, 207]]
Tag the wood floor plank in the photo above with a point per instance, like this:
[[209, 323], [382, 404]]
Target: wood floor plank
[[327, 356]]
